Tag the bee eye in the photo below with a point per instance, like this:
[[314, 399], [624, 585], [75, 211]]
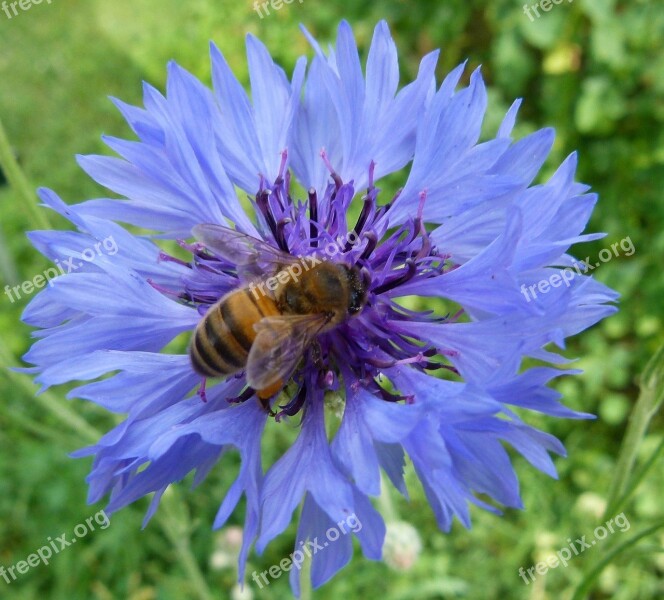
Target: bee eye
[[292, 299], [356, 301]]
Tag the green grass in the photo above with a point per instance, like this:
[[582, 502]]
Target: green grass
[[590, 69]]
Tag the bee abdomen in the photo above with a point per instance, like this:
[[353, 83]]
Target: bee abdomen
[[216, 350], [222, 340]]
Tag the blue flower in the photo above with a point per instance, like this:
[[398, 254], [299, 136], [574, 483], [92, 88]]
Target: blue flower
[[468, 226]]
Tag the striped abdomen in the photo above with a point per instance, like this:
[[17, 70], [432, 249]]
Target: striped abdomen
[[222, 340]]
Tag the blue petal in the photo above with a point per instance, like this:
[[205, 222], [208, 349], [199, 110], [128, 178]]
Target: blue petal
[[306, 466]]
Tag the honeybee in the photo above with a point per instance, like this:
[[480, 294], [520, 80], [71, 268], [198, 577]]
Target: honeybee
[[265, 330]]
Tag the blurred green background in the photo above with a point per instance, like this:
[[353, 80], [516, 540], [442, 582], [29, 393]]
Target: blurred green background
[[593, 69]]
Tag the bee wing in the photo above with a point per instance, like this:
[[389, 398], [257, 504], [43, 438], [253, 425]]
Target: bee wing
[[279, 345], [239, 248]]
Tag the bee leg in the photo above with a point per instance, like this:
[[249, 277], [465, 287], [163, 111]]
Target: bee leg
[[201, 390], [317, 356], [265, 403], [265, 395]]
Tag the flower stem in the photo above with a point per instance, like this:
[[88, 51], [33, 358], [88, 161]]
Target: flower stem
[[174, 521], [648, 403], [639, 476], [583, 589], [385, 501], [623, 484], [305, 579], [19, 182]]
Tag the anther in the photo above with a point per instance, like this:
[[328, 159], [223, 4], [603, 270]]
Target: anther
[[372, 240], [362, 220], [313, 217], [243, 397], [281, 233]]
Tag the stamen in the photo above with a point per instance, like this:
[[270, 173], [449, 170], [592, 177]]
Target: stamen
[[372, 167], [362, 219], [383, 209], [327, 379], [294, 406], [407, 275], [389, 397], [420, 208], [450, 353], [243, 397], [201, 390], [164, 290], [457, 315], [433, 366], [335, 176], [287, 187], [163, 257], [372, 240], [282, 167], [313, 217], [281, 233], [397, 351], [195, 248], [262, 201], [277, 195], [418, 358], [425, 250], [378, 363]]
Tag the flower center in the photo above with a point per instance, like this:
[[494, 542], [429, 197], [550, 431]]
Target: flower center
[[379, 258]]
